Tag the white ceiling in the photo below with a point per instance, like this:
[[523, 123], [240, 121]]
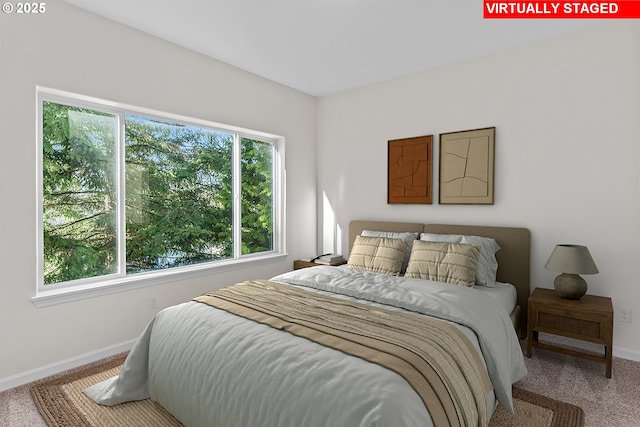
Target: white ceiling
[[322, 47]]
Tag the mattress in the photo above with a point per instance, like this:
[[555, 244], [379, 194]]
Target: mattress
[[504, 294]]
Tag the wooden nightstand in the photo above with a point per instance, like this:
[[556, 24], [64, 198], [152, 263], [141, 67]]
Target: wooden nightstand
[[588, 319], [298, 264]]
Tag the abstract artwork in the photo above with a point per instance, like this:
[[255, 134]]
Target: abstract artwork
[[409, 170], [467, 167]]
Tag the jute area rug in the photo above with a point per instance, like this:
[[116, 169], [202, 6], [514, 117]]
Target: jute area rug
[[62, 403]]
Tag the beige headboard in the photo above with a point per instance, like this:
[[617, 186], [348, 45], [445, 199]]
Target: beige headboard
[[513, 257]]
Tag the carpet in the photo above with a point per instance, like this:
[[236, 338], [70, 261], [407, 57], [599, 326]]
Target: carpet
[[62, 403]]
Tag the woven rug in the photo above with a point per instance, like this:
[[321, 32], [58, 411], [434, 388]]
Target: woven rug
[[535, 410], [62, 403]]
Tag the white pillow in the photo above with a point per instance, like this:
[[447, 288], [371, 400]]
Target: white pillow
[[432, 237], [487, 263], [408, 237]]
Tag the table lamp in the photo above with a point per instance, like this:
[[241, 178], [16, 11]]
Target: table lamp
[[571, 261]]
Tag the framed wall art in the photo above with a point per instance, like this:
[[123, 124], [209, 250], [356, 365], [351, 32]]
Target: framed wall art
[[467, 167], [410, 170]]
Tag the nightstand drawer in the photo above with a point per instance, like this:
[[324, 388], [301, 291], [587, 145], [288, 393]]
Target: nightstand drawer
[[572, 325]]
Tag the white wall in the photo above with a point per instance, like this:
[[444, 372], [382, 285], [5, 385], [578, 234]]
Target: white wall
[[70, 49], [567, 118]]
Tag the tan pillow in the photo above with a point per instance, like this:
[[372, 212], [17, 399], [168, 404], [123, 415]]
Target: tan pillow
[[378, 254], [408, 237], [454, 263]]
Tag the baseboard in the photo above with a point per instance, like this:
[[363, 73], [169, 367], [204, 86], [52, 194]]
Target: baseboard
[[625, 353], [64, 365]]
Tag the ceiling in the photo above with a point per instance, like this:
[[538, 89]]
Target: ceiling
[[322, 47]]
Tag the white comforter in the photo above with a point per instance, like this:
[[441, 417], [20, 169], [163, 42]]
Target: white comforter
[[210, 368]]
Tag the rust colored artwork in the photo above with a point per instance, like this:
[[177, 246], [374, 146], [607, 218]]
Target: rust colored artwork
[[409, 170]]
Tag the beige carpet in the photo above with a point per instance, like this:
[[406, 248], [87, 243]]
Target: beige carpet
[[62, 403], [607, 402]]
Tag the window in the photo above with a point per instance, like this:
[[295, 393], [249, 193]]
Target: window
[[127, 192]]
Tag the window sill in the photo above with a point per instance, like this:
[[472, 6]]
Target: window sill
[[142, 280]]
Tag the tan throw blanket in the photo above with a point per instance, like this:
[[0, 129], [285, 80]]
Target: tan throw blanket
[[435, 357]]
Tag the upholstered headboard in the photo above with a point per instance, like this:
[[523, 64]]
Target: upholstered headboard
[[513, 257]]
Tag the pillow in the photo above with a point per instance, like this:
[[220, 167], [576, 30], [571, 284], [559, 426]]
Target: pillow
[[432, 237], [487, 263], [378, 254], [408, 237], [448, 262]]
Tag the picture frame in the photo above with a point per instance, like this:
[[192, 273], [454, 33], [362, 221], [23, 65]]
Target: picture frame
[[409, 171], [467, 167]]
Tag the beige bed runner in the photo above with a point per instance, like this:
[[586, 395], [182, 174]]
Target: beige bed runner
[[435, 357]]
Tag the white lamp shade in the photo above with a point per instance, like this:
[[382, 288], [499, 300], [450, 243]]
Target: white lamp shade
[[572, 259]]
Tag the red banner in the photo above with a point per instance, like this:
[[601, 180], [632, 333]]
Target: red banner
[[623, 9]]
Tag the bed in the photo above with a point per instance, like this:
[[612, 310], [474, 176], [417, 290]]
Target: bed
[[339, 346]]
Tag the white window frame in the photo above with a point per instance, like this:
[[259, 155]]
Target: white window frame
[[90, 287]]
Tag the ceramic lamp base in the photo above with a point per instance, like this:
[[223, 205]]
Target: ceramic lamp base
[[570, 286]]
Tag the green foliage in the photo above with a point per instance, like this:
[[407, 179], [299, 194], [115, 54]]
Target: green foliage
[[79, 196], [257, 193], [179, 206], [178, 194]]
